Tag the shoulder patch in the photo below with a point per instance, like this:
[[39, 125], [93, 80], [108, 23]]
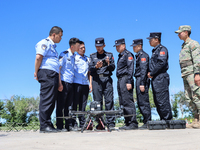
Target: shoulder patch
[[60, 59], [143, 60], [162, 53], [130, 58], [43, 46]]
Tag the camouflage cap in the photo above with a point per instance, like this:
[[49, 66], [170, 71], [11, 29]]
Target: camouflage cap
[[183, 28]]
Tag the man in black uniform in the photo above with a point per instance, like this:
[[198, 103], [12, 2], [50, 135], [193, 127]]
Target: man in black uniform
[[142, 81], [160, 78], [101, 66], [125, 84]]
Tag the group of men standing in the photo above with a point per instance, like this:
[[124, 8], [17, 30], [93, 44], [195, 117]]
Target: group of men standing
[[66, 81]]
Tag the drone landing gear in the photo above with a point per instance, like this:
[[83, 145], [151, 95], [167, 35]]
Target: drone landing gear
[[89, 124]]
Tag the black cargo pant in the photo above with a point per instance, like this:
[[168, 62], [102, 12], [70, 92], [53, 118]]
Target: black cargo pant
[[65, 99], [102, 86], [48, 80], [143, 100], [160, 87], [126, 100], [80, 98]]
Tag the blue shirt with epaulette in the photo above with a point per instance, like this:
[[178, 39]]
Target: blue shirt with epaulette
[[46, 48], [81, 69], [67, 66]]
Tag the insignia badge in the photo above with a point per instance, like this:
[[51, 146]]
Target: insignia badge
[[115, 41], [162, 53], [133, 42], [130, 58], [143, 60], [43, 46], [98, 41], [61, 59]]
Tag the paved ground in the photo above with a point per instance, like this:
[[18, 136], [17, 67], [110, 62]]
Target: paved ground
[[182, 139]]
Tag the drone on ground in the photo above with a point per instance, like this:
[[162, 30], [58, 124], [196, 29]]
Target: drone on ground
[[95, 112]]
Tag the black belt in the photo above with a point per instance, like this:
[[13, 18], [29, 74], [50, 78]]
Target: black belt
[[102, 75], [121, 76], [186, 64]]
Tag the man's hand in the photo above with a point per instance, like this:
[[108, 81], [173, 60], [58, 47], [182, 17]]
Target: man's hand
[[142, 89], [197, 79], [35, 76], [99, 64], [128, 86], [149, 75], [60, 87], [107, 60], [90, 88]]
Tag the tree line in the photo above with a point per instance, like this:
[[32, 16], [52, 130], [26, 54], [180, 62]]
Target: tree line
[[23, 109]]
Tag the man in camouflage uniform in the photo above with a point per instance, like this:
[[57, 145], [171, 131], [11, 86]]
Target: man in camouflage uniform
[[189, 59]]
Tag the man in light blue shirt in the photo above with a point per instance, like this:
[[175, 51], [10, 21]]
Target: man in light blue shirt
[[81, 82], [46, 72], [65, 95]]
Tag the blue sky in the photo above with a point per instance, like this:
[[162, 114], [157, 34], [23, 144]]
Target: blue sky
[[24, 23]]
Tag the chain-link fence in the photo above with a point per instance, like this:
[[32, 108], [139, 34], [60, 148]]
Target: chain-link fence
[[16, 127]]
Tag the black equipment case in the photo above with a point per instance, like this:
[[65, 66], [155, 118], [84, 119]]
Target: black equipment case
[[157, 125], [176, 124]]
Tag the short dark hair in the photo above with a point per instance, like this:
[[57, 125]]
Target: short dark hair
[[141, 45], [55, 30], [81, 42], [189, 32], [73, 41], [158, 40]]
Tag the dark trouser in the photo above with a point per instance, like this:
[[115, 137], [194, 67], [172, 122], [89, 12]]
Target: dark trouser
[[48, 95], [126, 100], [160, 87], [64, 100], [143, 100], [103, 87], [80, 98]]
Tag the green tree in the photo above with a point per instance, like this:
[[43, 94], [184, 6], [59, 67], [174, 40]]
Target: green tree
[[174, 103], [19, 108], [1, 107], [179, 99]]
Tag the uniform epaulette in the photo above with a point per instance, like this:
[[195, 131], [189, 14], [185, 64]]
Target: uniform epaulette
[[47, 39], [109, 52], [92, 54], [65, 52]]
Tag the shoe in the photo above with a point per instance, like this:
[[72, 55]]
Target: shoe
[[131, 127], [112, 128], [62, 130], [48, 129], [143, 127], [76, 128], [123, 127], [195, 124], [100, 127]]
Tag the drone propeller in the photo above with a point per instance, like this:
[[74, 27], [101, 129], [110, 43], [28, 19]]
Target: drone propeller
[[66, 117], [79, 112]]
